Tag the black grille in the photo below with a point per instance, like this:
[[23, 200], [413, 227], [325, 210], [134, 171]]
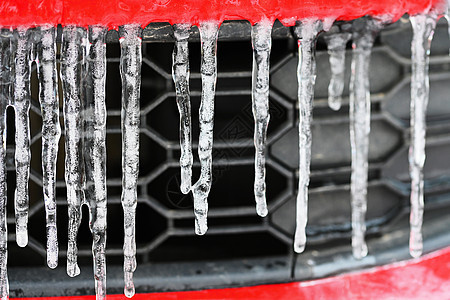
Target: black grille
[[240, 246]]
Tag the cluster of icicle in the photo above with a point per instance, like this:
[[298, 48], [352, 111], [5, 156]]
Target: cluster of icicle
[[83, 74]]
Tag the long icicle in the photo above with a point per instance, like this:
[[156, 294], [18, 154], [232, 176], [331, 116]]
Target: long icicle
[[95, 152], [306, 75], [51, 132], [363, 39], [72, 60], [22, 96], [262, 44], [336, 43], [130, 70], [4, 99], [423, 29], [180, 74], [208, 35]]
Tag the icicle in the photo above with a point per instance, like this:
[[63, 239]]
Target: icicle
[[306, 74], [423, 29], [22, 95], [72, 59], [180, 74], [208, 35], [262, 43], [4, 99], [51, 132], [130, 70], [95, 152], [363, 37], [336, 43]]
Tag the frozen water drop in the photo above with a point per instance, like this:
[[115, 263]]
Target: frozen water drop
[[72, 59], [180, 74], [130, 70], [423, 30], [95, 152], [208, 36], [51, 132], [336, 43], [262, 43], [364, 32], [307, 33], [22, 96]]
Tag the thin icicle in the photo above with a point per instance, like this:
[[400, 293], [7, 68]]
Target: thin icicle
[[336, 43], [423, 29], [22, 95], [5, 94], [95, 152], [208, 36], [306, 74], [130, 70], [262, 43], [51, 132], [72, 59], [180, 74], [359, 129]]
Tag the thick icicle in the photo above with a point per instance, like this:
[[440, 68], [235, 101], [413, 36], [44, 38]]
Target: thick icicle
[[208, 35], [423, 29], [72, 59], [363, 37], [130, 70], [336, 43], [180, 74], [51, 132], [5, 94], [95, 152], [262, 43], [306, 75], [22, 136]]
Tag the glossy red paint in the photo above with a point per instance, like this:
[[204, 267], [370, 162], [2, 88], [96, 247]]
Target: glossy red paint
[[425, 278], [113, 13]]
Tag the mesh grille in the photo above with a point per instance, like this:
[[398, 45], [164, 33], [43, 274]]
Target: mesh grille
[[165, 221]]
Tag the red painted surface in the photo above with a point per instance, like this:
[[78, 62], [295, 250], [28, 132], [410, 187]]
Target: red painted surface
[[113, 13], [424, 278]]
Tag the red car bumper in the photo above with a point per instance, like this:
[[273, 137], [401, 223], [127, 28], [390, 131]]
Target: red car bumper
[[425, 278]]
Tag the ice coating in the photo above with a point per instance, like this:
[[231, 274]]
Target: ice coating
[[423, 29], [180, 74], [363, 38], [208, 36], [5, 94], [130, 70], [262, 44], [94, 108], [72, 60], [336, 43], [22, 96], [306, 75], [51, 132]]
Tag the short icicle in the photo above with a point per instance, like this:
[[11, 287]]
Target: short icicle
[[307, 33], [262, 44], [180, 74], [94, 108], [5, 94], [208, 35], [51, 132], [423, 29], [22, 96], [130, 70], [72, 60], [336, 43], [364, 31]]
